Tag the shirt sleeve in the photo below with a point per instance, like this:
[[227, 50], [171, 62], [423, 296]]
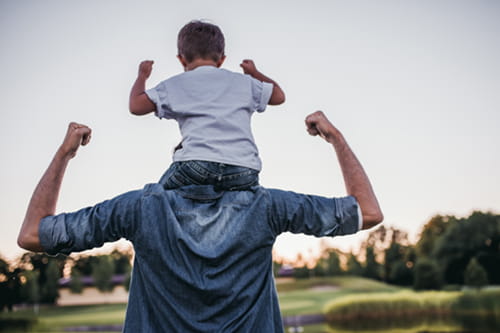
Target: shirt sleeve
[[261, 94], [91, 227], [159, 96], [314, 215]]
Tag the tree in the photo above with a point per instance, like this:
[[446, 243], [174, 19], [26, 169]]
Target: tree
[[432, 232], [10, 286], [354, 266], [102, 272], [31, 289], [475, 274], [50, 289], [76, 284], [328, 264], [372, 267], [427, 275], [401, 274], [49, 272], [475, 236]]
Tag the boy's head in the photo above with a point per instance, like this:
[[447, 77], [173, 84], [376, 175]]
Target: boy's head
[[200, 40]]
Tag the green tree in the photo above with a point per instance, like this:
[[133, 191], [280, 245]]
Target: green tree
[[475, 274], [401, 274], [371, 267], [76, 284], [102, 273], [427, 275], [475, 236], [31, 289], [122, 261], [354, 266], [431, 233], [50, 289]]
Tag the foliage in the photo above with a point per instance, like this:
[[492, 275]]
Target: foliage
[[354, 266], [475, 236], [427, 275], [10, 286], [49, 271], [475, 275], [76, 284], [102, 272], [328, 265], [372, 268], [470, 310]]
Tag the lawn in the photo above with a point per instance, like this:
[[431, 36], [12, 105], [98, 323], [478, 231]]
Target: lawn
[[307, 296]]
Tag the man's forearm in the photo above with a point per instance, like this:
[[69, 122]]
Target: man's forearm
[[43, 202], [44, 199], [356, 180]]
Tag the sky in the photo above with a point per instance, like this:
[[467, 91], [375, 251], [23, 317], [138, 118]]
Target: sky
[[413, 85]]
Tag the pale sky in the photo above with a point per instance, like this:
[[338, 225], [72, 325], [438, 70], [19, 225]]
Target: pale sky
[[413, 85]]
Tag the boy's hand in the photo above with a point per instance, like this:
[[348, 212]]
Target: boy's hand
[[248, 67], [145, 68]]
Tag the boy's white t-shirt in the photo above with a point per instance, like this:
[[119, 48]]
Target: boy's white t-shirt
[[213, 107]]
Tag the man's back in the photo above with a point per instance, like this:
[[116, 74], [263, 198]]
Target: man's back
[[203, 259]]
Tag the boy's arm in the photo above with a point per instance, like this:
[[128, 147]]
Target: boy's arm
[[277, 96], [139, 102]]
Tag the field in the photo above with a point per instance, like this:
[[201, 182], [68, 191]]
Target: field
[[297, 298]]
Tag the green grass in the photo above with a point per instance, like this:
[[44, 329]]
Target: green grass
[[309, 296]]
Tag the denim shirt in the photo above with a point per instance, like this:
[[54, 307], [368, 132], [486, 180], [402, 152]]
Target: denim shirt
[[203, 259]]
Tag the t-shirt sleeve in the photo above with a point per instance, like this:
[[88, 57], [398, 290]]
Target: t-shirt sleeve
[[91, 227], [314, 215], [159, 96], [261, 94]]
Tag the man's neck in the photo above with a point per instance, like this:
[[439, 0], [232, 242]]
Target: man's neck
[[198, 63]]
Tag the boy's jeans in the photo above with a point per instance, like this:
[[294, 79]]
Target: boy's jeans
[[224, 177]]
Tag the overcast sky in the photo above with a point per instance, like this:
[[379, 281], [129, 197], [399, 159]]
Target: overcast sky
[[413, 85]]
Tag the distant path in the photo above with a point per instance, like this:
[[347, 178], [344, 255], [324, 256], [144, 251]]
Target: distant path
[[299, 320]]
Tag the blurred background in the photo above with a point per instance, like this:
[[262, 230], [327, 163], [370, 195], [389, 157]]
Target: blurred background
[[412, 85]]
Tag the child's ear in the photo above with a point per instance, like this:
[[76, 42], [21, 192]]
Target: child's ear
[[182, 60], [221, 61]]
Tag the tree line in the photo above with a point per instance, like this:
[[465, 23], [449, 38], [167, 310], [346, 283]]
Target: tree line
[[450, 252], [35, 277]]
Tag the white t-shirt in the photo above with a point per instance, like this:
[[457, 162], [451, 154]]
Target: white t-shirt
[[213, 107]]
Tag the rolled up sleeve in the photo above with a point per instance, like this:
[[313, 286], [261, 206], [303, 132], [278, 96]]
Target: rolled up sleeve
[[92, 226], [315, 215]]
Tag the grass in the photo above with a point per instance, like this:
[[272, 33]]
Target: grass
[[310, 296]]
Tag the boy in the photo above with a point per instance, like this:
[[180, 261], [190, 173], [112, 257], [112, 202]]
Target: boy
[[213, 107]]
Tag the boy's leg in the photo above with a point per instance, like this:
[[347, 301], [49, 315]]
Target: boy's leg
[[224, 177], [182, 174], [237, 178]]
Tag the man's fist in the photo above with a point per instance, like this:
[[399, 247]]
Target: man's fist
[[318, 124], [76, 135]]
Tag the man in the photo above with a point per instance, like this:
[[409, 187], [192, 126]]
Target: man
[[203, 258]]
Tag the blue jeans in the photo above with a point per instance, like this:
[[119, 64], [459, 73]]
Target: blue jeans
[[224, 177]]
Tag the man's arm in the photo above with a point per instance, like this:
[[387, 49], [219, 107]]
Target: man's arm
[[139, 102], [44, 199], [356, 181], [277, 96]]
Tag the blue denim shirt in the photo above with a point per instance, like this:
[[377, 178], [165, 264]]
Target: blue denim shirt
[[203, 259]]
